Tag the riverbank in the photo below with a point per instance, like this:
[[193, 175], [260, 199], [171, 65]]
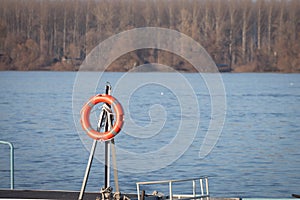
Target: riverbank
[[65, 66]]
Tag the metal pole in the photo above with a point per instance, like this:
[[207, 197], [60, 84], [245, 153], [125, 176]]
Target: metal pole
[[194, 188], [170, 190], [107, 164], [12, 181], [114, 160], [206, 184], [87, 171], [138, 190], [107, 146], [201, 186]]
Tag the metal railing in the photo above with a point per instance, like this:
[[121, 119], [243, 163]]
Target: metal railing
[[203, 184], [11, 163]]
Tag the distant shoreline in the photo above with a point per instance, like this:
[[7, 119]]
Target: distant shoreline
[[186, 72]]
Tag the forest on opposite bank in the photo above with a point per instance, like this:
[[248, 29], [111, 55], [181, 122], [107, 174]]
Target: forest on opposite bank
[[246, 35]]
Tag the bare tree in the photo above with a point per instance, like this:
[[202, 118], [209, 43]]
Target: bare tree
[[233, 31], [270, 13], [259, 20], [246, 9], [64, 31]]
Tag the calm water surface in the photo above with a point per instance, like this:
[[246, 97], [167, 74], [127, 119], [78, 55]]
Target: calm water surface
[[257, 154]]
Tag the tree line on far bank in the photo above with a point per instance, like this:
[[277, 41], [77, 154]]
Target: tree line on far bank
[[247, 35]]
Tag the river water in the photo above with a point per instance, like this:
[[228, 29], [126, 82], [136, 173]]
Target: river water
[[256, 154]]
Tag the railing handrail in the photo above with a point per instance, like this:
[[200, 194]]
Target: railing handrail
[[171, 180], [202, 195], [11, 162]]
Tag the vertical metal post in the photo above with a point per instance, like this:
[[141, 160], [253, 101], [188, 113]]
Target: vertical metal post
[[12, 179], [138, 190], [201, 186], [194, 188], [107, 144], [170, 190], [206, 184], [107, 164]]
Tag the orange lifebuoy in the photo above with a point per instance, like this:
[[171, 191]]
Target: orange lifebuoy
[[85, 117]]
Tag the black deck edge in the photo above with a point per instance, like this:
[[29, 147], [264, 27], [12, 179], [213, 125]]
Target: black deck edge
[[52, 194], [46, 194], [296, 195]]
